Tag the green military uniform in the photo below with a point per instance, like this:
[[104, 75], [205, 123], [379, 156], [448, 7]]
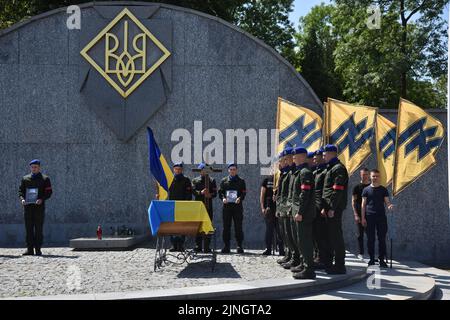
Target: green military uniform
[[280, 213], [180, 189], [291, 230], [334, 197], [320, 233], [286, 219], [304, 204]]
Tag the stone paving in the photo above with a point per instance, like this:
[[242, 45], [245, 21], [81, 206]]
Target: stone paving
[[63, 271]]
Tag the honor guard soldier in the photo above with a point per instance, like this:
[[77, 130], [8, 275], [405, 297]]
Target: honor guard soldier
[[310, 161], [180, 189], [232, 192], [288, 222], [334, 195], [320, 233], [284, 170], [303, 212], [205, 189], [35, 188]]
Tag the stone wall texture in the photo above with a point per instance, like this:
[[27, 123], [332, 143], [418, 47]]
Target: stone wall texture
[[220, 75]]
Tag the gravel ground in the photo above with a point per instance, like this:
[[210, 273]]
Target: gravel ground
[[63, 271]]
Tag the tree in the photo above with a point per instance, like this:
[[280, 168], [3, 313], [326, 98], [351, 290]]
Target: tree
[[317, 42], [379, 65]]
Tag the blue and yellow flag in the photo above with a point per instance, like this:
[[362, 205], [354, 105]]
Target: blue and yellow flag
[[159, 167], [385, 144], [297, 126], [419, 136], [350, 128]]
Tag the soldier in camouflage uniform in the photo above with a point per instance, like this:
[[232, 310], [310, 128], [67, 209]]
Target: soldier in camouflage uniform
[[334, 197]]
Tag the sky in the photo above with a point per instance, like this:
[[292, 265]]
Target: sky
[[302, 7]]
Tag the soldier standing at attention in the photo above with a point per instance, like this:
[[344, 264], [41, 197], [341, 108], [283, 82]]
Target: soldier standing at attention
[[284, 169], [334, 195], [286, 202], [303, 212], [320, 233], [180, 189], [35, 188], [268, 212], [356, 204], [205, 195], [232, 192]]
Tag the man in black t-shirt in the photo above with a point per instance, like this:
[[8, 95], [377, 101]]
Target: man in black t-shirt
[[373, 216], [356, 204]]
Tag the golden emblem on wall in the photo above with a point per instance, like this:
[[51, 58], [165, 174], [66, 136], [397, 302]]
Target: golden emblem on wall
[[124, 44]]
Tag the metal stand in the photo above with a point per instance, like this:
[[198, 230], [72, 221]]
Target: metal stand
[[163, 257]]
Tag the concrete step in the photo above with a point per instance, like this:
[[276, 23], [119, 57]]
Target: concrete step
[[405, 281]]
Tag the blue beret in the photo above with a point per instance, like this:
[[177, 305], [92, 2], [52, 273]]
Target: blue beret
[[300, 150], [319, 151], [232, 164], [178, 164], [288, 151], [35, 161], [311, 154], [330, 148], [201, 166], [280, 155]]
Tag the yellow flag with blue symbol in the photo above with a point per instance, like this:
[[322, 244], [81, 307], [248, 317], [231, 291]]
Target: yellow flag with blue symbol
[[297, 126], [385, 144], [419, 136], [351, 128]]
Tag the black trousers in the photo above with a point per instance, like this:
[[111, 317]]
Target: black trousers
[[361, 231], [34, 225], [232, 213], [204, 239], [321, 238], [336, 238], [376, 223], [271, 230]]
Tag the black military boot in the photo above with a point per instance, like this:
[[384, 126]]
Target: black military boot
[[226, 249], [288, 265], [285, 259], [29, 252], [305, 274], [267, 252], [298, 268], [38, 252], [239, 250]]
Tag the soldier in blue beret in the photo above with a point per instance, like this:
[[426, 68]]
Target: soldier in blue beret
[[232, 192], [334, 196], [180, 189], [35, 188]]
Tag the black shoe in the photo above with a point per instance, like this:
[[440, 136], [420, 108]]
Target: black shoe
[[180, 249], [284, 259], [239, 250], [172, 249], [371, 262], [267, 252], [207, 250], [336, 270], [38, 252], [305, 274], [29, 252], [226, 250], [298, 268], [319, 266], [383, 264], [288, 264]]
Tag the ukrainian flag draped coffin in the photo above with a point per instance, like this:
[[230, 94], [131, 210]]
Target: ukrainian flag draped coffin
[[159, 167], [419, 136], [297, 126], [178, 211], [385, 144], [350, 128]]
